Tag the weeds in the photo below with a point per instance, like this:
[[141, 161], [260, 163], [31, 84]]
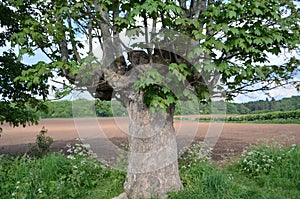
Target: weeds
[[42, 144], [80, 150], [193, 155], [274, 172], [55, 176], [268, 171]]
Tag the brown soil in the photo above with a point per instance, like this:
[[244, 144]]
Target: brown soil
[[105, 134]]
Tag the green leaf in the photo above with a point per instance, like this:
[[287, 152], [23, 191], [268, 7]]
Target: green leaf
[[257, 32], [225, 28], [257, 11], [231, 14], [220, 46], [234, 31]]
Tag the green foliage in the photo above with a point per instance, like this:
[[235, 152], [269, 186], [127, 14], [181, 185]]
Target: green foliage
[[148, 9], [80, 176], [55, 176], [42, 144], [58, 109], [157, 96], [80, 150], [83, 108], [63, 109], [204, 180], [261, 106], [104, 109], [285, 104], [18, 103], [272, 117], [258, 162], [235, 42], [262, 160], [238, 43], [286, 115], [181, 71], [193, 155], [273, 166], [264, 106]]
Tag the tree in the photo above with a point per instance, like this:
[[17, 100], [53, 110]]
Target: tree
[[18, 103], [229, 46]]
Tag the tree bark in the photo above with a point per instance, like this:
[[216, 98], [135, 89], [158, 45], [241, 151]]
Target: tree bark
[[152, 163]]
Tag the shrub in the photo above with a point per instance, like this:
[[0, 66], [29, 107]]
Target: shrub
[[80, 150], [42, 144], [256, 162], [266, 159]]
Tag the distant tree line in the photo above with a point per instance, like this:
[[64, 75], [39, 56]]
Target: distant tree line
[[261, 106], [83, 108], [97, 108], [264, 106]]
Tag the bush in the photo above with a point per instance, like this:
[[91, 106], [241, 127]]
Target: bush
[[42, 144], [256, 162], [268, 158]]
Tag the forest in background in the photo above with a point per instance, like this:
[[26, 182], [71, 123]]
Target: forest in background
[[92, 108]]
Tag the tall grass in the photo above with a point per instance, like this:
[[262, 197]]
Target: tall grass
[[262, 172], [269, 171], [55, 176]]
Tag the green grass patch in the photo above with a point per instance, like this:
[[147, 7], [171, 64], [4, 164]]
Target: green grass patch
[[262, 172], [268, 171], [56, 176]]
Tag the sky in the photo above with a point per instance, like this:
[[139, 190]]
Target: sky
[[277, 93]]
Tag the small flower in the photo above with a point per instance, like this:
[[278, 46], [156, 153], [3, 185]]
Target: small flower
[[71, 157], [40, 191], [87, 146]]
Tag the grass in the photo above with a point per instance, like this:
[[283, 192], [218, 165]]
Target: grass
[[56, 176], [268, 171], [262, 172]]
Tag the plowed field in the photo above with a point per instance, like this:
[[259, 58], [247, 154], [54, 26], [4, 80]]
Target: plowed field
[[105, 134]]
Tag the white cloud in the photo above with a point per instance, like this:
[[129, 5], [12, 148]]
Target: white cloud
[[277, 93]]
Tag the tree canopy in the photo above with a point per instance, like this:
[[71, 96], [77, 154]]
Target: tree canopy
[[18, 103], [237, 37]]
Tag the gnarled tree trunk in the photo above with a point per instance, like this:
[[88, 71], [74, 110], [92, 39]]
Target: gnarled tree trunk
[[153, 168]]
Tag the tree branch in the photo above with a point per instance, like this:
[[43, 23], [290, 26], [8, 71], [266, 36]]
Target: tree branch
[[72, 38]]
